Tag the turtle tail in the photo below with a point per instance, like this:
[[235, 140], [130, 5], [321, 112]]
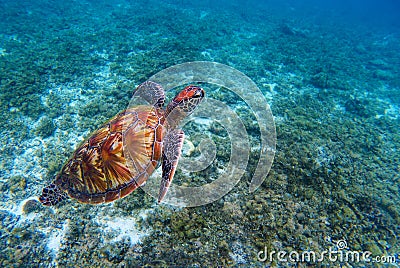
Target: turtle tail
[[52, 194]]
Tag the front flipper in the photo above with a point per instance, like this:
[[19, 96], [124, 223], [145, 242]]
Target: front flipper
[[172, 148], [152, 92]]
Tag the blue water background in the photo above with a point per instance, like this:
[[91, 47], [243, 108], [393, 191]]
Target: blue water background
[[383, 14]]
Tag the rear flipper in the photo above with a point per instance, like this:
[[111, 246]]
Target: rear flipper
[[51, 195], [173, 143]]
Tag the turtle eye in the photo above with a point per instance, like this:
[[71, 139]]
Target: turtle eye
[[198, 93]]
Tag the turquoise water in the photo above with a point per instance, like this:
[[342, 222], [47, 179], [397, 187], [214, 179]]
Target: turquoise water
[[330, 73]]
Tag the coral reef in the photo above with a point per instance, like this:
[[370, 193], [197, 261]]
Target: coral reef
[[67, 67]]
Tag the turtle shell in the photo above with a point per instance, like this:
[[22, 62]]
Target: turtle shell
[[115, 159]]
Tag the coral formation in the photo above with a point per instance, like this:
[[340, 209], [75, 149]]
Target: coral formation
[[67, 67]]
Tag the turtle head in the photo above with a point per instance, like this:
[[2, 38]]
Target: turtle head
[[52, 194], [185, 102]]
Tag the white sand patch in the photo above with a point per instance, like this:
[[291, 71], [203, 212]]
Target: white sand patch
[[271, 87], [203, 121], [207, 54], [203, 14], [100, 54], [56, 237], [270, 91], [238, 253], [120, 228], [393, 111], [188, 148], [340, 108], [3, 52]]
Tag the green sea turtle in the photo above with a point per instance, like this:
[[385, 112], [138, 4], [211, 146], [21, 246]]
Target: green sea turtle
[[121, 155]]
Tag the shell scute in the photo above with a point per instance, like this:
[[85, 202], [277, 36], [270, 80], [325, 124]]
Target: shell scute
[[102, 169]]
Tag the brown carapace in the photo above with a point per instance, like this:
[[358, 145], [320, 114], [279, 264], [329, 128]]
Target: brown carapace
[[122, 154]]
